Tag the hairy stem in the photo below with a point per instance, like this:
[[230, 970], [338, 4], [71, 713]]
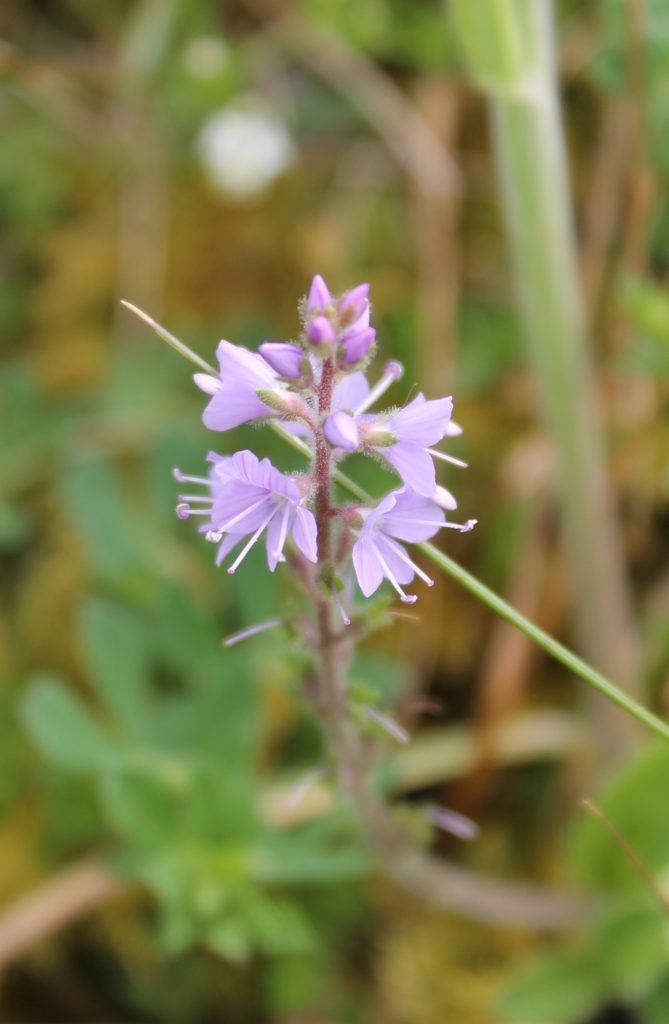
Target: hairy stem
[[439, 882]]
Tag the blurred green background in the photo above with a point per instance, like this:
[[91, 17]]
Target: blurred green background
[[203, 159]]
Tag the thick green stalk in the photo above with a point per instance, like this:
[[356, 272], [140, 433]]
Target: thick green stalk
[[521, 85]]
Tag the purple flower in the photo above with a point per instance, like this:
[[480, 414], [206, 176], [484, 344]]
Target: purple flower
[[249, 496], [401, 515], [416, 427], [236, 393], [402, 438]]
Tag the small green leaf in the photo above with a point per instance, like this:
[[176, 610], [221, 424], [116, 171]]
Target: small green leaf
[[562, 988], [115, 646], [656, 1007], [632, 939], [278, 926], [636, 803], [63, 729], [231, 938]]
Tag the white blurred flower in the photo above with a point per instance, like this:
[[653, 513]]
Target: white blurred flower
[[205, 56], [244, 149]]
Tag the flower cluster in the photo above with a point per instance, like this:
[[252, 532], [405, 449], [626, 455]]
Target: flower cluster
[[317, 388]]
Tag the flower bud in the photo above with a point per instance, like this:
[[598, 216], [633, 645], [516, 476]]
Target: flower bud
[[285, 402], [286, 359], [356, 344], [352, 304], [320, 331], [341, 431], [319, 295]]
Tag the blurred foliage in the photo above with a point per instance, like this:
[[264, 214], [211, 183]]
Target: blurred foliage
[[126, 732]]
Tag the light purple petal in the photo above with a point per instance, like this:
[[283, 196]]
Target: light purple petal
[[233, 405], [305, 533], [240, 507], [284, 358], [367, 566], [210, 385], [227, 544], [413, 518], [421, 421], [357, 344], [277, 534], [350, 391], [391, 553], [341, 431], [413, 464], [379, 511], [239, 366], [246, 466], [319, 294], [283, 485]]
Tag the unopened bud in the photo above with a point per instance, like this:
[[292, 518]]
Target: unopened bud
[[352, 304], [319, 295], [285, 402], [320, 331], [283, 357], [341, 431], [356, 345]]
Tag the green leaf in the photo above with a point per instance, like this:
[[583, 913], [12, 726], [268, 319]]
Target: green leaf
[[310, 855], [656, 1007], [116, 654], [231, 938], [632, 939], [563, 988], [636, 802], [63, 729], [147, 808], [279, 927], [94, 499]]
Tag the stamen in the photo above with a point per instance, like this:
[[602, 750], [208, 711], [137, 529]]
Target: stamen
[[183, 478], [339, 605], [196, 497], [244, 634], [247, 547], [213, 536], [453, 822], [407, 598], [462, 527], [391, 727], [283, 530], [401, 553], [392, 373], [241, 515], [447, 458], [184, 511]]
